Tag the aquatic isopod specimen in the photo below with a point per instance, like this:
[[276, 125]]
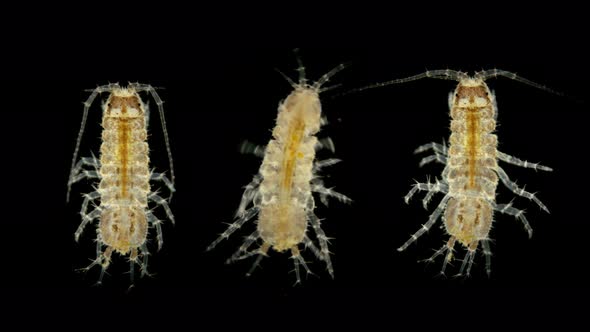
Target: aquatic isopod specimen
[[281, 193], [471, 172], [123, 174]]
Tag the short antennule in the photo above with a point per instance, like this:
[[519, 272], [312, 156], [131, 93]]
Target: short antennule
[[327, 76], [300, 68], [302, 76], [287, 78]]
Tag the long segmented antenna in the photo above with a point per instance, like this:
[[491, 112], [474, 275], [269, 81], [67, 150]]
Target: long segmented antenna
[[445, 74], [87, 104], [160, 103], [484, 75], [449, 74]]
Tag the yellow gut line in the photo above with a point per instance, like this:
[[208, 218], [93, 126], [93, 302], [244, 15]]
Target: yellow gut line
[[123, 151], [291, 154], [472, 142]]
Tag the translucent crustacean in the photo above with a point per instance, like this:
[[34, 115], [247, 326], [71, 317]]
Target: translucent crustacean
[[281, 194], [471, 172], [124, 175]]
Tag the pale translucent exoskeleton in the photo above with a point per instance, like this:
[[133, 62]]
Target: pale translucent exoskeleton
[[123, 175], [281, 194], [471, 172]]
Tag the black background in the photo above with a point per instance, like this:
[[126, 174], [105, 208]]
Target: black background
[[220, 94]]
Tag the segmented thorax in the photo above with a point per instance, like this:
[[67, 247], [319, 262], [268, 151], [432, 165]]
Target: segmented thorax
[[124, 171], [472, 161], [287, 170]]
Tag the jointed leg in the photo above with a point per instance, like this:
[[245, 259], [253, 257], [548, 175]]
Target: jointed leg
[[234, 227], [317, 181], [152, 220], [429, 195], [250, 192], [162, 177], [98, 259], [323, 239], [164, 203], [436, 147], [297, 260], [106, 261], [90, 197], [143, 266], [447, 247], [243, 252], [523, 163], [262, 251], [309, 244], [508, 209], [488, 254], [432, 219], [318, 165], [248, 147], [77, 173], [85, 174], [468, 260], [325, 143], [436, 157], [323, 191], [86, 218], [102, 259], [519, 191], [84, 161], [132, 262], [431, 187]]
